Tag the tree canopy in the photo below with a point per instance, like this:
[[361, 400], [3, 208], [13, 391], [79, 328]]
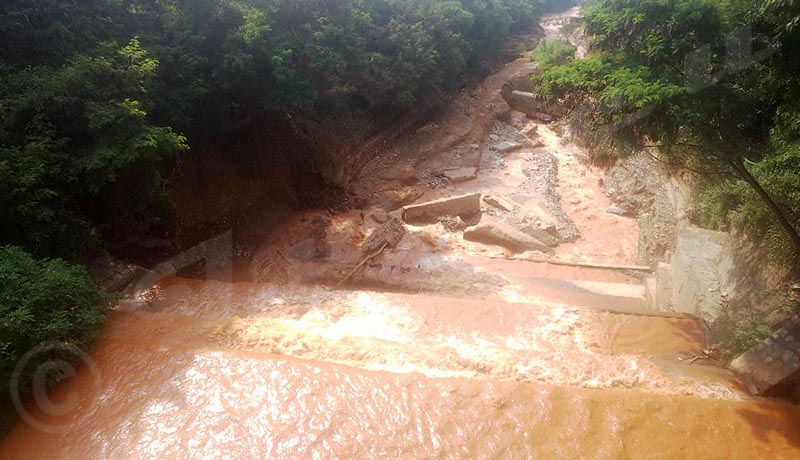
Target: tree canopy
[[711, 84], [97, 96]]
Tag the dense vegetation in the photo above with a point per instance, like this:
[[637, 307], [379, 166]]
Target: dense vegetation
[[99, 97], [48, 302], [712, 86], [94, 93], [553, 53]]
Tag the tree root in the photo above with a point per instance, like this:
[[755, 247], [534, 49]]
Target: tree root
[[362, 263]]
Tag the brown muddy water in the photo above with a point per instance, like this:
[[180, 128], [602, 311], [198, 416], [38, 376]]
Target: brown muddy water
[[255, 372]]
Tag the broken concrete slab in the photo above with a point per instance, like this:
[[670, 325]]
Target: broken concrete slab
[[499, 203], [430, 212], [773, 367], [507, 147], [496, 233], [456, 175], [542, 235]]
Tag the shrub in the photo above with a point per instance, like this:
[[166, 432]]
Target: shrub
[[43, 301], [553, 53], [747, 330]]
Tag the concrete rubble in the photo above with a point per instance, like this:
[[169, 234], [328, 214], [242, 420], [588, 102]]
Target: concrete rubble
[[429, 212], [507, 147], [494, 232], [772, 368], [456, 175]]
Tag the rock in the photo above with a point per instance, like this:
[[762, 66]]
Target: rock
[[496, 233], [460, 174], [494, 137], [521, 82], [391, 233], [518, 119], [452, 224], [522, 101], [531, 131], [506, 147], [429, 212], [499, 203], [543, 117]]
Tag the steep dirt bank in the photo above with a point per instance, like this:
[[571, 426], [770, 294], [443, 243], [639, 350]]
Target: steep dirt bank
[[275, 163]]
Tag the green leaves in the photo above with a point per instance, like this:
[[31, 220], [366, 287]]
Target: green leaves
[[553, 53], [68, 134], [679, 74], [43, 301]]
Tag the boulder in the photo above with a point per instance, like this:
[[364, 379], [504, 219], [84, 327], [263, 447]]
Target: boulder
[[496, 233], [429, 212], [521, 101], [531, 131], [460, 174], [506, 147], [543, 117]]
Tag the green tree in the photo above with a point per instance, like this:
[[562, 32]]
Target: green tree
[[672, 76], [76, 149], [48, 301]]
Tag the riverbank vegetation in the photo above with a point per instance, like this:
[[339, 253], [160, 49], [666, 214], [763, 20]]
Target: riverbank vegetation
[[707, 86], [48, 308], [99, 98]]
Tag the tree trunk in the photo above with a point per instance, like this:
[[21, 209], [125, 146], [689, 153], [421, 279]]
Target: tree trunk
[[776, 210]]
